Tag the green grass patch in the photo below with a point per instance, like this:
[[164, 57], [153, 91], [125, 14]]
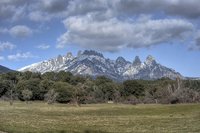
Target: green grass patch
[[38, 117]]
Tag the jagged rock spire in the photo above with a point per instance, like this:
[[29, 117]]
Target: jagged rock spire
[[137, 61], [92, 52], [60, 59], [150, 59], [120, 60], [69, 55], [79, 53]]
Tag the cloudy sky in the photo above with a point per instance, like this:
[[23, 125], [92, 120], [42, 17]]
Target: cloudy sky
[[36, 30]]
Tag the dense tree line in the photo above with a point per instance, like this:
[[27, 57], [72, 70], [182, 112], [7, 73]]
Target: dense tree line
[[64, 87]]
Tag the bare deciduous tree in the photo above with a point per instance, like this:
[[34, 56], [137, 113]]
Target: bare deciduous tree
[[51, 96], [27, 95]]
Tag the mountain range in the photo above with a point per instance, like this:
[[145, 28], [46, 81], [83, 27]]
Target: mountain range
[[93, 63], [4, 69]]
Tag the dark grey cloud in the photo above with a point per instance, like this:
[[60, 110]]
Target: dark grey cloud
[[45, 10], [113, 24], [132, 7], [196, 45], [111, 8], [183, 8], [198, 41], [82, 7], [6, 12], [54, 6], [15, 2], [11, 9]]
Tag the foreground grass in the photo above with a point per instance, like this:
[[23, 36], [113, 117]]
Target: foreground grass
[[100, 118]]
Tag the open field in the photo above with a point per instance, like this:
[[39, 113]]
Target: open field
[[100, 118]]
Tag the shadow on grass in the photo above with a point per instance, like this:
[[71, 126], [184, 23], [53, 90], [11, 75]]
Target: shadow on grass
[[86, 131], [93, 131]]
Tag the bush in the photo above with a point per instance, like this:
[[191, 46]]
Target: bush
[[65, 92]]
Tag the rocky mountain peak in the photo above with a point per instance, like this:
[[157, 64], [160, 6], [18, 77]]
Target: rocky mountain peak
[[120, 60], [92, 52], [150, 60], [59, 56], [79, 53], [137, 61], [69, 55], [60, 59]]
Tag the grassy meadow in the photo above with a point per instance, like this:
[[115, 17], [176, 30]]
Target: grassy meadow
[[38, 117]]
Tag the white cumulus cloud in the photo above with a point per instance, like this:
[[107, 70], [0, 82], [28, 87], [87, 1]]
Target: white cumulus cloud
[[43, 46], [20, 31], [20, 56], [114, 34], [6, 46]]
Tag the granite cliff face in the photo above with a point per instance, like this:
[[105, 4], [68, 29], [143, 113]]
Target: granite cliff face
[[95, 64]]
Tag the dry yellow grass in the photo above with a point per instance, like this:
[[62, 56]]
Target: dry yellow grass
[[39, 117]]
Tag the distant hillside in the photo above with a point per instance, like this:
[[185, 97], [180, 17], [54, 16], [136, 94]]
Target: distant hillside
[[4, 69]]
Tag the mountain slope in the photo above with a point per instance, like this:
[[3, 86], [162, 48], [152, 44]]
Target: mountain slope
[[93, 63], [4, 69]]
